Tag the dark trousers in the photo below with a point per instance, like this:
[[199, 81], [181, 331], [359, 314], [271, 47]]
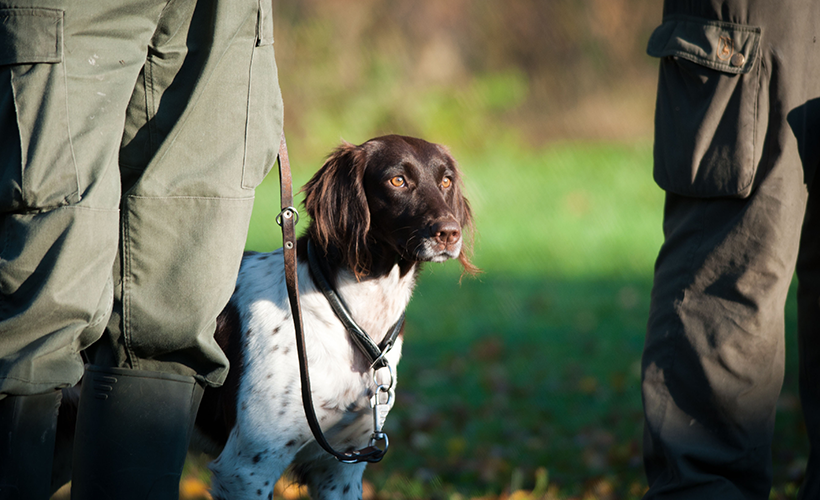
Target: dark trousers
[[737, 147]]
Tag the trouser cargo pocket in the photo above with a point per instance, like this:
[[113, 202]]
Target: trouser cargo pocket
[[710, 115], [265, 106], [38, 169]]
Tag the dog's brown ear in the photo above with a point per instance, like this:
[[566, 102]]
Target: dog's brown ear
[[464, 215], [335, 200]]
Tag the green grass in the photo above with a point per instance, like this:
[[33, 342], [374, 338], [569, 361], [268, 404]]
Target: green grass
[[536, 373], [534, 365]]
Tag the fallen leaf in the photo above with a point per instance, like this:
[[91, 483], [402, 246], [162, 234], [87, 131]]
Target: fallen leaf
[[192, 488], [368, 491], [289, 490]]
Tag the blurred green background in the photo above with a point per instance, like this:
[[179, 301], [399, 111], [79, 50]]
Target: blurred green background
[[524, 381]]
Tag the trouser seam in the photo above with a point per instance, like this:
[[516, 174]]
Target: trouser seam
[[78, 196], [150, 103], [126, 296]]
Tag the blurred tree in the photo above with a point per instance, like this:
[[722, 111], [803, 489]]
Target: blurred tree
[[544, 68]]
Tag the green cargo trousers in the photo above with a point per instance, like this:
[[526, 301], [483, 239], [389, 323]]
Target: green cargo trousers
[[737, 147], [132, 136]]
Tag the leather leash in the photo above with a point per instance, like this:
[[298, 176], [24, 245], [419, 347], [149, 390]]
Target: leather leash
[[287, 219]]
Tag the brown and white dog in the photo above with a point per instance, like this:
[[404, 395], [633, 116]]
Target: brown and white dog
[[378, 211]]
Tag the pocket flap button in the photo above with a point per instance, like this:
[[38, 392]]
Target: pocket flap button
[[738, 60]]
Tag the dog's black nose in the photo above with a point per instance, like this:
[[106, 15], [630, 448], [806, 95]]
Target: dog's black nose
[[447, 232]]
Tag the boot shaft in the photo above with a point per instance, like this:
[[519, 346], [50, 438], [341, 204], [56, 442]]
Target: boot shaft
[[132, 434]]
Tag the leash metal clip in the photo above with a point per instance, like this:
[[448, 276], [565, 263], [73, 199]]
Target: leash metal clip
[[380, 405]]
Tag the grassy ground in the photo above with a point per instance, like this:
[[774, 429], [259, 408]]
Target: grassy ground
[[526, 384]]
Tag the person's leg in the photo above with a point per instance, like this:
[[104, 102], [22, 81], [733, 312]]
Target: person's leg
[[808, 292], [29, 426], [203, 128], [66, 74], [714, 354]]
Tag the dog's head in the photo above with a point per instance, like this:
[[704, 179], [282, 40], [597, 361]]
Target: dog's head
[[392, 196]]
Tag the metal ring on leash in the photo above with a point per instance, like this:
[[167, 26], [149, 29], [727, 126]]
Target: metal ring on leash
[[379, 437], [287, 213], [392, 382]]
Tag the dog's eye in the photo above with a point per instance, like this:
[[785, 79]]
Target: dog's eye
[[398, 181], [446, 182]]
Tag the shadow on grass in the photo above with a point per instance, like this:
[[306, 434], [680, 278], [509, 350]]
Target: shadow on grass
[[513, 384], [504, 376]]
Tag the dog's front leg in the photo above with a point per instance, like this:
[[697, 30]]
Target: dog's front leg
[[329, 479], [248, 468]]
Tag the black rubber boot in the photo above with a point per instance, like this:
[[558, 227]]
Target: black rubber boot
[[132, 435], [28, 426]]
